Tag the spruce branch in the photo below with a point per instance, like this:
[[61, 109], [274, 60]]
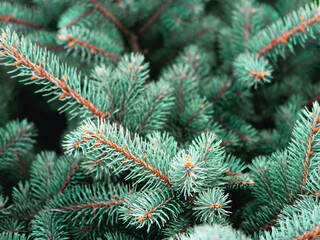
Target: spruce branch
[[199, 167], [252, 70], [296, 27], [109, 15], [145, 162], [211, 204], [90, 44], [304, 148], [46, 226], [144, 209], [45, 69], [21, 16], [154, 17], [16, 138], [97, 202], [79, 18]]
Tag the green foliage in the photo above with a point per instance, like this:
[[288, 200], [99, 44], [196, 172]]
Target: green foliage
[[167, 128], [93, 46], [211, 203], [16, 138], [252, 70], [46, 227]]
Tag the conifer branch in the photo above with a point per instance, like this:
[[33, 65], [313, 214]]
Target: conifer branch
[[111, 17], [93, 49], [286, 35], [16, 138], [12, 19], [15, 50], [224, 88], [244, 183], [21, 165], [102, 137], [154, 104], [155, 16], [313, 233], [189, 121], [74, 168], [79, 18]]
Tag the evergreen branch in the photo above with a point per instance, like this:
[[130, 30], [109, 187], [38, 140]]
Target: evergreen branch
[[244, 183], [252, 70], [219, 230], [92, 48], [96, 202], [195, 36], [22, 16], [90, 44], [15, 140], [46, 226], [180, 234], [313, 233], [234, 165], [11, 18], [153, 106], [194, 115], [74, 168], [155, 16], [182, 226], [42, 174], [295, 28], [222, 92], [145, 209], [286, 35], [107, 138], [21, 165], [79, 18], [21, 53], [309, 150], [304, 148], [199, 167], [301, 224], [111, 17], [133, 74], [155, 103], [13, 236], [211, 204]]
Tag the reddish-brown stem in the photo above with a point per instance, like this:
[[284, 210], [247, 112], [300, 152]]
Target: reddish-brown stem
[[155, 16], [85, 14], [51, 47], [21, 166], [102, 140], [92, 205], [312, 234], [156, 100], [241, 182], [40, 72], [286, 35], [221, 93], [180, 233], [12, 19], [190, 120], [111, 17], [93, 49], [270, 224], [74, 168], [309, 150], [149, 213]]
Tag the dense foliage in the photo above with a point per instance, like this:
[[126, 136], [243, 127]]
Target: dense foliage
[[179, 119]]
